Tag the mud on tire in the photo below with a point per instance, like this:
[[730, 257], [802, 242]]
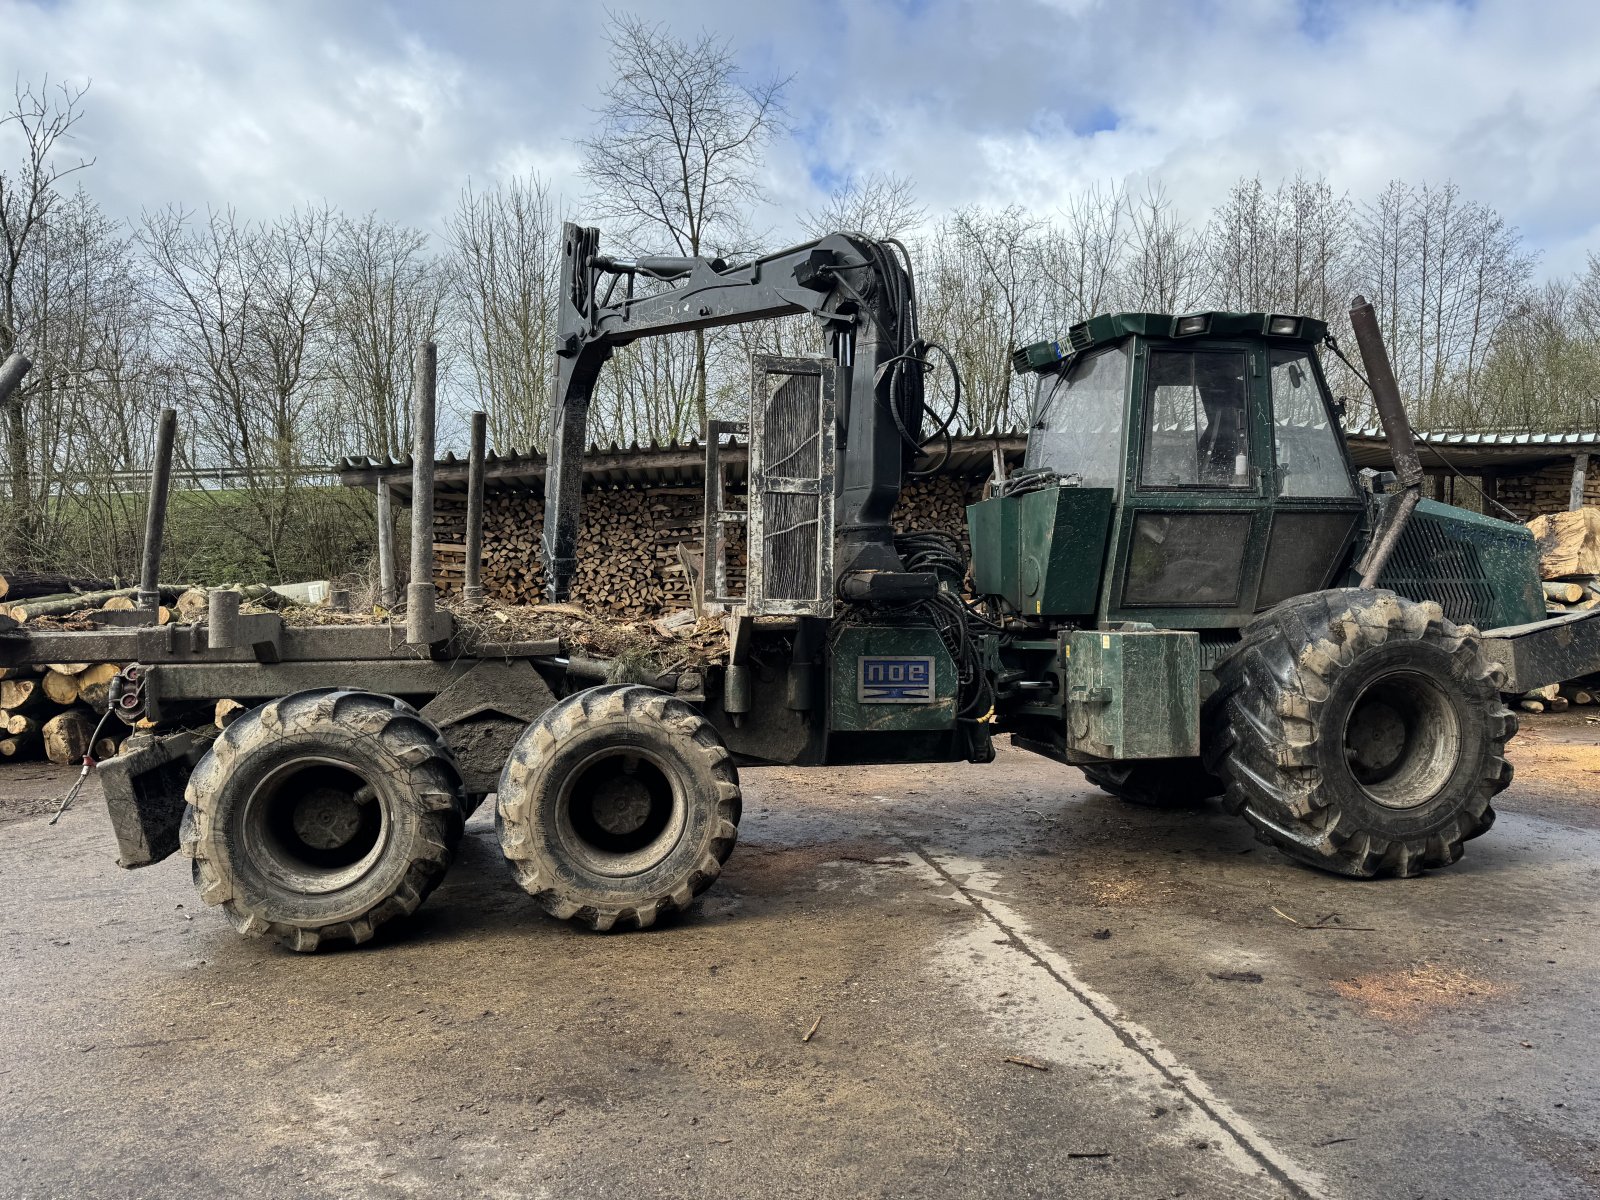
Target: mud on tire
[[1360, 732], [322, 815], [618, 805], [1155, 782]]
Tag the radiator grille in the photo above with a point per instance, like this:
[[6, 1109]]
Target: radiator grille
[[1428, 564]]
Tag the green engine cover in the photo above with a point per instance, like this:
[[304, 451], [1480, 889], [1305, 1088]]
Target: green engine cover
[[891, 678], [1133, 694], [1042, 551], [1481, 571]]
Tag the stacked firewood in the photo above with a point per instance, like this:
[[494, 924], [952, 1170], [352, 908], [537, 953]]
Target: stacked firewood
[[53, 711], [939, 503], [636, 545], [1547, 491]]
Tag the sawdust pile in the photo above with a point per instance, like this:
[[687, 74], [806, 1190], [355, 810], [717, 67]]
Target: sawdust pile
[[1409, 996]]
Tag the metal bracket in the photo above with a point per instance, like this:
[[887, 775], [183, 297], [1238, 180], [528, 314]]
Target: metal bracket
[[713, 584]]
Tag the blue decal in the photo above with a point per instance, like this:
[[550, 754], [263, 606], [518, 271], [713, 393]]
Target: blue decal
[[895, 679]]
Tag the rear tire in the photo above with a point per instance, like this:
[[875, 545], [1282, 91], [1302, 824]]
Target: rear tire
[[618, 805], [1360, 732], [1156, 782], [322, 815]]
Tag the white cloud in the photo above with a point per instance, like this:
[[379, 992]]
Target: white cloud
[[393, 107]]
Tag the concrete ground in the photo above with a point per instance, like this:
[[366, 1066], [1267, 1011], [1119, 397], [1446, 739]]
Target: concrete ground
[[1013, 986]]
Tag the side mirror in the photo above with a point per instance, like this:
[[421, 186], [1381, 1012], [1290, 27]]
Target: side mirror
[[1340, 407]]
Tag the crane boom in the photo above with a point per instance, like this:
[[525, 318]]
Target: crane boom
[[854, 285]]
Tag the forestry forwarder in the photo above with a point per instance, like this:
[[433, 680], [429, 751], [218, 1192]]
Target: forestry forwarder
[[1183, 592]]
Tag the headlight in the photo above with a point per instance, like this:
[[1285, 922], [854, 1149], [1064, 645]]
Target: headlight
[[1286, 326], [1192, 325]]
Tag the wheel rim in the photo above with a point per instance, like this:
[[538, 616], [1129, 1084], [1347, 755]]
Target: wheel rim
[[1402, 739], [620, 812], [314, 825]]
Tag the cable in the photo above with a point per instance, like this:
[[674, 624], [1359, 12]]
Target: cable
[[1333, 344]]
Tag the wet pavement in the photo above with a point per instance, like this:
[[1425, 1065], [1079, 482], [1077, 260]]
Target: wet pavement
[[1013, 985]]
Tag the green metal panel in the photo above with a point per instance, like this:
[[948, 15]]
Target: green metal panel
[[1111, 327], [891, 678], [1133, 694], [1481, 571], [1042, 551]]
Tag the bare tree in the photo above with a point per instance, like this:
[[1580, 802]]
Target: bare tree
[[242, 310], [43, 120], [980, 298], [674, 158], [1081, 255], [507, 247], [1164, 265], [879, 204], [385, 296]]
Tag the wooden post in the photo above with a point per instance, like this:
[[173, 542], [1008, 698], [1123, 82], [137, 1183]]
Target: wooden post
[[472, 585], [419, 592], [386, 577], [1580, 475]]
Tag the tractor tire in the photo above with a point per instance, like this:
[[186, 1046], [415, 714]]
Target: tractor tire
[[320, 816], [1360, 732], [1155, 782], [617, 806]]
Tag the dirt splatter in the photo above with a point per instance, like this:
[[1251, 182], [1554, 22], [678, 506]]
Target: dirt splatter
[[1415, 993]]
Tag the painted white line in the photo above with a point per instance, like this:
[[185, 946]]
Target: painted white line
[[1063, 1018]]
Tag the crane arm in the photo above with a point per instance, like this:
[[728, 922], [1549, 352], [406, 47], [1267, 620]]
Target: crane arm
[[854, 285]]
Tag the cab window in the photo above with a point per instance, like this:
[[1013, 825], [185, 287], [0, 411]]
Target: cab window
[[1310, 462], [1197, 432], [1077, 422]]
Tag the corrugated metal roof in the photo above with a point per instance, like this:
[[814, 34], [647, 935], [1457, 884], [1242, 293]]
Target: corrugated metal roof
[[682, 464], [675, 464], [1500, 450]]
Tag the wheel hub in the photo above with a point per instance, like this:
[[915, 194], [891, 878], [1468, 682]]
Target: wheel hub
[[1402, 739], [620, 813], [328, 818], [621, 805], [313, 825]]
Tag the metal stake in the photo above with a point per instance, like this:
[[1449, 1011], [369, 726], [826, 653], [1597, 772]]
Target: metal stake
[[155, 517], [386, 578], [420, 597], [472, 588]]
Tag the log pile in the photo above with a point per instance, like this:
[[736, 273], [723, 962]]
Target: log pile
[[1547, 491], [52, 712], [18, 586], [629, 540]]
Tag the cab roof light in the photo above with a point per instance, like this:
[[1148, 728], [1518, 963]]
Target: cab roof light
[[1189, 326], [1036, 357], [1283, 326]]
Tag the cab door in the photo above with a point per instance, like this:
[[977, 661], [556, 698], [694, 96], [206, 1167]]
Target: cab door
[[1197, 511]]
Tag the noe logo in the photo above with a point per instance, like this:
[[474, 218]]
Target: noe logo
[[894, 679]]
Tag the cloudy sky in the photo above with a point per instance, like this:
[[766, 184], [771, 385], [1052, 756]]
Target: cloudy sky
[[393, 106]]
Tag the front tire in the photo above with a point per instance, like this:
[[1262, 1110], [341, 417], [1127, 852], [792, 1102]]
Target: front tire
[[1360, 732], [322, 815], [618, 805]]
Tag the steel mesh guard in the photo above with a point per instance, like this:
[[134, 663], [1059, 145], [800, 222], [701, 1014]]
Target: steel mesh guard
[[791, 487]]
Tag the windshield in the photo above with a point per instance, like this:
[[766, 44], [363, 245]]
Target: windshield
[[1077, 419]]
